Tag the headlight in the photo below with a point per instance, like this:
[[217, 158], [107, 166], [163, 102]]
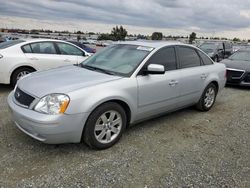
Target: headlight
[[53, 104], [1, 56]]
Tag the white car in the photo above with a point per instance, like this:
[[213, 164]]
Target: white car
[[21, 57]]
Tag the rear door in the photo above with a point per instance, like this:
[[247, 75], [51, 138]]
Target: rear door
[[43, 55], [159, 93], [193, 75]]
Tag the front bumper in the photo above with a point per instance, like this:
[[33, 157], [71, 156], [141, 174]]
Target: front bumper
[[51, 129], [243, 80]]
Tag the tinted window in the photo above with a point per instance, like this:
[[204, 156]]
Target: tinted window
[[188, 57], [240, 56], [227, 45], [10, 43], [165, 57], [220, 46], [67, 49], [27, 49], [205, 59], [43, 48]]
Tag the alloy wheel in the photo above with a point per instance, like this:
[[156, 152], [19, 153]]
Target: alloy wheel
[[108, 126]]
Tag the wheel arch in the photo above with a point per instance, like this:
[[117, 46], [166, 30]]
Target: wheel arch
[[122, 103], [216, 84], [20, 67]]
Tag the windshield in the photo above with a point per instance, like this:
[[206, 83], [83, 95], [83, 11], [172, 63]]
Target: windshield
[[240, 55], [208, 46], [121, 59], [10, 43]]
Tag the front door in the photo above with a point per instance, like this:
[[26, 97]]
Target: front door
[[159, 93]]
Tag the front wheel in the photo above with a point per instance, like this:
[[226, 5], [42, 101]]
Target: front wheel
[[208, 98], [105, 125]]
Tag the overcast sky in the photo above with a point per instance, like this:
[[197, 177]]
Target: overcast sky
[[227, 18]]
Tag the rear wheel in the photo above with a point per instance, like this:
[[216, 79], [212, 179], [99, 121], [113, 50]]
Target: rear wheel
[[105, 126], [208, 98], [19, 73]]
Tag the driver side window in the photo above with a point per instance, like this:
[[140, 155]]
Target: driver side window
[[166, 57]]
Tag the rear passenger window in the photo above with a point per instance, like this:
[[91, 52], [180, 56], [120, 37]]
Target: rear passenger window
[[165, 57], [205, 59], [188, 57], [27, 49], [43, 48]]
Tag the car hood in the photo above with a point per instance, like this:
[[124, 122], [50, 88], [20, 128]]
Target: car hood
[[236, 64], [62, 80]]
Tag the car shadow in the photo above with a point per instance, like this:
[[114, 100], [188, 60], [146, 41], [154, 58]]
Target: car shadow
[[238, 87], [5, 88]]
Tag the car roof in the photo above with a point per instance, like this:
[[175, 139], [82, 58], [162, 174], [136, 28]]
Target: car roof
[[42, 40], [153, 44]]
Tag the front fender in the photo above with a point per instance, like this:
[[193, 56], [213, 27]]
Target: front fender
[[87, 99]]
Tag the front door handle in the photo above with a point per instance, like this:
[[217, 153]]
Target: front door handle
[[33, 58], [173, 82]]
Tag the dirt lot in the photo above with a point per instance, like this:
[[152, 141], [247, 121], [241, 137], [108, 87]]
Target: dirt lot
[[183, 149]]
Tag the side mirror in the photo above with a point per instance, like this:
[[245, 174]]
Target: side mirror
[[155, 69]]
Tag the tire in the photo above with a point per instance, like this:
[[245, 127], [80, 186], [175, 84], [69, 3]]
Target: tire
[[100, 131], [208, 98], [17, 74]]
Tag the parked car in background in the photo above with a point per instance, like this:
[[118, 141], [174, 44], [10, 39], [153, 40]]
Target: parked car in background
[[21, 57], [2, 39], [238, 68], [104, 43], [84, 47], [237, 47], [123, 84], [217, 50]]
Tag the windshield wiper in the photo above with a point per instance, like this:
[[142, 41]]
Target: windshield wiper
[[97, 69]]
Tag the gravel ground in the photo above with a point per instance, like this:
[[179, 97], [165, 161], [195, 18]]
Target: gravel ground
[[183, 149]]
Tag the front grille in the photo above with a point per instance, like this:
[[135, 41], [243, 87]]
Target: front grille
[[234, 74], [247, 78], [23, 98]]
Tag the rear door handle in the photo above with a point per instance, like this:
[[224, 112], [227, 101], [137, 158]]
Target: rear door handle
[[67, 60], [203, 76], [173, 82], [33, 58]]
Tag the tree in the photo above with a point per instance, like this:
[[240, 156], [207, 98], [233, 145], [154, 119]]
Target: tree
[[192, 37], [119, 33], [156, 36], [236, 39], [105, 37]]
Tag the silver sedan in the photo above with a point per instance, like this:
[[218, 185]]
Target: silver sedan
[[123, 84]]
